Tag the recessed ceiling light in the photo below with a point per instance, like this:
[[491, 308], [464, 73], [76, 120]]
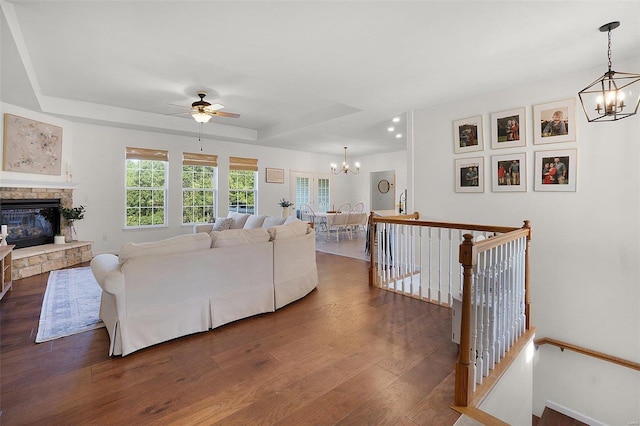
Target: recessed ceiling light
[[399, 135], [391, 129], [396, 119]]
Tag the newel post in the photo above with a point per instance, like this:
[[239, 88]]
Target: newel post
[[527, 300], [464, 366], [372, 241]]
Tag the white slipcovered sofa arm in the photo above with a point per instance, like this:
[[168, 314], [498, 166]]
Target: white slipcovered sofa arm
[[106, 269]]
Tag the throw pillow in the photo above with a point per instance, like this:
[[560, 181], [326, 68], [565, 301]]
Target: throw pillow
[[239, 219], [254, 221], [270, 221], [222, 223]]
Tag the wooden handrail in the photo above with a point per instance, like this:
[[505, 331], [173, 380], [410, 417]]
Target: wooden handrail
[[589, 352], [465, 226]]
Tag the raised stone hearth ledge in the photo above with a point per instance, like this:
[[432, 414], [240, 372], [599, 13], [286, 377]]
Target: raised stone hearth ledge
[[36, 260]]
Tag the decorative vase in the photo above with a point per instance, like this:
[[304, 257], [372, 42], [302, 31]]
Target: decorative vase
[[69, 231], [286, 211], [58, 239]]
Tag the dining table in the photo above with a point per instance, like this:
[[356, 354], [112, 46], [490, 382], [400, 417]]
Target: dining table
[[337, 220]]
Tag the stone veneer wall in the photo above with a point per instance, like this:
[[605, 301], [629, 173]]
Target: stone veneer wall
[[65, 195]]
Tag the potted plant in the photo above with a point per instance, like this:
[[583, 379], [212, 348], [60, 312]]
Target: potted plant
[[286, 207], [70, 215]]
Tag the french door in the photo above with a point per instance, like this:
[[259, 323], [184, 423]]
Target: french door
[[311, 188]]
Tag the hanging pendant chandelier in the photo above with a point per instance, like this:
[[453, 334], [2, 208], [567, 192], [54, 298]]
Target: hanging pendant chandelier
[[345, 166], [611, 97]]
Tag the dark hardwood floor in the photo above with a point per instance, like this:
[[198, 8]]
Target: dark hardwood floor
[[345, 354]]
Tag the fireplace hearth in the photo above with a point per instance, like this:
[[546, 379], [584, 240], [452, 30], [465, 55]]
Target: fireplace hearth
[[30, 222]]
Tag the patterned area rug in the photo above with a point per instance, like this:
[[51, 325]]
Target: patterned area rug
[[71, 304]]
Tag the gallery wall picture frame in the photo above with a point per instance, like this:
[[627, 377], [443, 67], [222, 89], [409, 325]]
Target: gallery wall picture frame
[[468, 135], [508, 128], [273, 175], [554, 122], [556, 170], [509, 172], [469, 174], [31, 146]]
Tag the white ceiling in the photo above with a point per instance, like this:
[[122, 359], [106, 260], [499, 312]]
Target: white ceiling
[[305, 75]]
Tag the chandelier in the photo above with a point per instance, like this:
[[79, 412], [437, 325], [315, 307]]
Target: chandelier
[[345, 166], [610, 97]]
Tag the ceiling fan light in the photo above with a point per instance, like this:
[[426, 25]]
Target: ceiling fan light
[[201, 117]]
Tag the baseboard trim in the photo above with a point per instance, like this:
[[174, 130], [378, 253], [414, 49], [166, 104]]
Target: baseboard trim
[[573, 414]]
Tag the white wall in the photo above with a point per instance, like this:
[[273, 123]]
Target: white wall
[[511, 398], [585, 249]]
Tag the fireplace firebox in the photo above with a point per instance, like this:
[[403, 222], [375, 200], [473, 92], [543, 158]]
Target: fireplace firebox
[[30, 222]]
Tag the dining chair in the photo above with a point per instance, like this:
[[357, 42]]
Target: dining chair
[[345, 208], [356, 219], [319, 223], [336, 222]]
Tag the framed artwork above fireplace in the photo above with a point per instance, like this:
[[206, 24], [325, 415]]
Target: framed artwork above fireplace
[[31, 146]]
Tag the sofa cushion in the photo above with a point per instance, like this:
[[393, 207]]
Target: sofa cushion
[[254, 221], [222, 223], [293, 229], [290, 219], [179, 244], [239, 219], [270, 221], [236, 237]]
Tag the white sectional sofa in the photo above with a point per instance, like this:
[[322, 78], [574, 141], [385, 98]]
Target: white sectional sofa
[[154, 292]]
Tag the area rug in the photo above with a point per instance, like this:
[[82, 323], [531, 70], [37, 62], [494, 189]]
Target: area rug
[[71, 304]]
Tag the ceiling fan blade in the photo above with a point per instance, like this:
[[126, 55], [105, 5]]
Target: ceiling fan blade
[[179, 113], [213, 107], [225, 114], [180, 106]]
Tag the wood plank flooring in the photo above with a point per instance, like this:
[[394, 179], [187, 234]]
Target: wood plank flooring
[[345, 354]]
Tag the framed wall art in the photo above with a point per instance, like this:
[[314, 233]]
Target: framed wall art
[[469, 174], [556, 170], [508, 128], [274, 175], [467, 135], [31, 146], [509, 172], [554, 122]]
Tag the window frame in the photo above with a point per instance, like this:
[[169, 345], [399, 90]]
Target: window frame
[[164, 189]]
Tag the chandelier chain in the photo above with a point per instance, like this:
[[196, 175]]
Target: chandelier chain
[[609, 48]]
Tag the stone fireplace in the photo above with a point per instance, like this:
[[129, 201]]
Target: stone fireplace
[[43, 256]]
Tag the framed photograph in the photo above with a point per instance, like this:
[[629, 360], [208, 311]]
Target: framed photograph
[[554, 122], [31, 146], [509, 172], [274, 175], [467, 135], [508, 129], [556, 170], [469, 174]]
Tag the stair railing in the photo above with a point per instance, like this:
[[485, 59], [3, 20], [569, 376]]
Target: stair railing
[[485, 268]]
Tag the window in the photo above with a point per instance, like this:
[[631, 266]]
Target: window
[[243, 185], [199, 187], [146, 187], [324, 194]]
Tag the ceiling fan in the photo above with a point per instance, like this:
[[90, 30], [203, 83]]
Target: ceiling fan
[[202, 111]]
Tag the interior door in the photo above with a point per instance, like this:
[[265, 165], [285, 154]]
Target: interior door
[[383, 190], [311, 188]]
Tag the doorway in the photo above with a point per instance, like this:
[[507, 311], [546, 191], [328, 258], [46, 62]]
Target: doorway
[[383, 190]]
